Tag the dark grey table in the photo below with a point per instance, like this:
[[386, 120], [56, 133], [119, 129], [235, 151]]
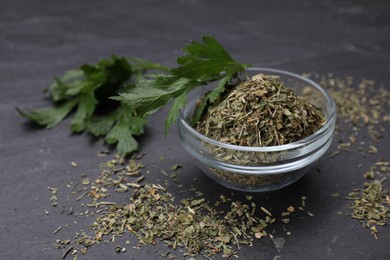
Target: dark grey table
[[41, 39]]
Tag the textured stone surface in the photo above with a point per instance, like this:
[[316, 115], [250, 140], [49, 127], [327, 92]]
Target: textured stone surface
[[40, 39]]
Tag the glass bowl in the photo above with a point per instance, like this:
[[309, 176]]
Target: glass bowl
[[261, 169]]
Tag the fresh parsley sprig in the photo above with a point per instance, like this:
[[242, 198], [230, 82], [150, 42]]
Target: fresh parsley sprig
[[86, 91], [127, 95], [203, 63]]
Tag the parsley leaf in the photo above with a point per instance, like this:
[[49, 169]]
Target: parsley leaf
[[119, 127], [148, 96], [211, 97], [206, 61], [49, 116], [125, 127], [179, 102], [86, 105]]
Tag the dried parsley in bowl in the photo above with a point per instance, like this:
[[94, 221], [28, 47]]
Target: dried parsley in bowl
[[260, 111]]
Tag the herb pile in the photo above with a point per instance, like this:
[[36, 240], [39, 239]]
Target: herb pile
[[126, 95], [260, 111], [193, 226]]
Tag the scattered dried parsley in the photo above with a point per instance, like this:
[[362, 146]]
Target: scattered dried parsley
[[53, 198], [362, 108], [151, 215], [194, 225], [371, 205]]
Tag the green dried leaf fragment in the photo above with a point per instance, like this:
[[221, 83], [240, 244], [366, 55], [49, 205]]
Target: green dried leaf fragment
[[335, 195], [176, 167]]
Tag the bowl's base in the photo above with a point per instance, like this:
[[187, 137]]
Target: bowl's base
[[252, 182]]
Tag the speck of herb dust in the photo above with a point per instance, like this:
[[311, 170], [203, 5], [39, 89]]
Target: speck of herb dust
[[260, 111]]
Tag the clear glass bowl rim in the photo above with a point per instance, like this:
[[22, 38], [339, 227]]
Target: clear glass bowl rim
[[294, 145]]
